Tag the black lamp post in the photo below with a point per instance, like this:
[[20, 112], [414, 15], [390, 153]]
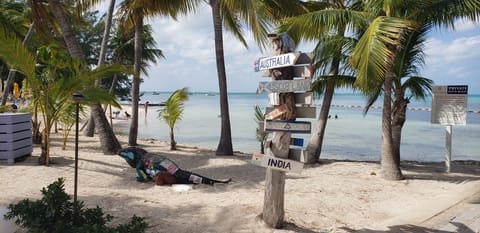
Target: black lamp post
[[77, 97]]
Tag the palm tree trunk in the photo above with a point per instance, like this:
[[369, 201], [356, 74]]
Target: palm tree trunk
[[173, 144], [225, 144], [67, 32], [107, 137], [108, 140], [398, 120], [132, 137], [314, 147], [11, 73], [390, 170], [90, 129]]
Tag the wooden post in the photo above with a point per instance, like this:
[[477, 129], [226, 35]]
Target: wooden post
[[279, 142]]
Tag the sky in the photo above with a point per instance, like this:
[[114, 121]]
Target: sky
[[452, 57]]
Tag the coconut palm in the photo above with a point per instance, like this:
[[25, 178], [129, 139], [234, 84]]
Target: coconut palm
[[90, 129], [327, 24], [133, 13], [173, 112], [59, 77], [234, 15], [407, 64], [391, 24], [108, 140]]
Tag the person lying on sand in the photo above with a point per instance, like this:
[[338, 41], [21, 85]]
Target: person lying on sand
[[161, 170]]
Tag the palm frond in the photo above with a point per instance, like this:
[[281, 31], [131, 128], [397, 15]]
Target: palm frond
[[259, 116], [173, 109], [419, 87], [338, 81], [310, 25], [13, 53], [372, 55]]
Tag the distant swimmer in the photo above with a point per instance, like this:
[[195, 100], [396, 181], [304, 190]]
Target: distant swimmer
[[116, 113], [126, 114], [146, 109], [336, 117]]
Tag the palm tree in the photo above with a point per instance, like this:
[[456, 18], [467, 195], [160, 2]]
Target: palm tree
[[108, 140], [391, 23], [90, 129], [133, 13], [410, 58], [326, 25], [59, 77], [256, 15], [173, 112]]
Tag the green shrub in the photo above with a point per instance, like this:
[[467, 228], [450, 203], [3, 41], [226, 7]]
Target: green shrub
[[54, 213]]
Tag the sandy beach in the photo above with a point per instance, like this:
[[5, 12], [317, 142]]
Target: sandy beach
[[332, 196]]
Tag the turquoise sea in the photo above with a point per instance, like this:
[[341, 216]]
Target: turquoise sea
[[352, 136]]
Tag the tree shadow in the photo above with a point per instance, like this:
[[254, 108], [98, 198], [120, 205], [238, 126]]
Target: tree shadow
[[460, 171], [460, 227]]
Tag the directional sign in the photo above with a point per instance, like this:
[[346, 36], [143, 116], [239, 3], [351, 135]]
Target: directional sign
[[277, 112], [282, 60], [301, 112], [288, 126], [300, 98], [285, 165], [284, 86], [299, 71]]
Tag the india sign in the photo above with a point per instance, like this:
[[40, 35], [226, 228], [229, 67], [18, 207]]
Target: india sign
[[285, 165]]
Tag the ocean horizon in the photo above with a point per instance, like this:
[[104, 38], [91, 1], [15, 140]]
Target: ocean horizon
[[351, 136]]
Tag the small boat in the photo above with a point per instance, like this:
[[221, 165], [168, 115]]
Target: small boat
[[156, 93]]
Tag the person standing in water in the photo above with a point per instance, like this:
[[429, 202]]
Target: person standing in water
[[146, 109]]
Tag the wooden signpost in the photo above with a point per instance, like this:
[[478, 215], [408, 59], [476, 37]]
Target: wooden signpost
[[280, 120]]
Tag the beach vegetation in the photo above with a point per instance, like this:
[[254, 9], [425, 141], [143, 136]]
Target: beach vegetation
[[406, 84], [235, 16], [172, 112], [52, 81], [261, 135], [330, 56], [16, 19], [379, 33], [65, 22], [391, 25], [132, 14], [55, 212]]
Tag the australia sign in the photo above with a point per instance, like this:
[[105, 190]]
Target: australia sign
[[282, 60]]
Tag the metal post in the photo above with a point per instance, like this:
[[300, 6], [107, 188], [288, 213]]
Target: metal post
[[77, 97], [448, 147]]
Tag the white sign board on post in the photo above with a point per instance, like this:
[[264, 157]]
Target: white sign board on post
[[449, 105], [285, 165], [282, 60]]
